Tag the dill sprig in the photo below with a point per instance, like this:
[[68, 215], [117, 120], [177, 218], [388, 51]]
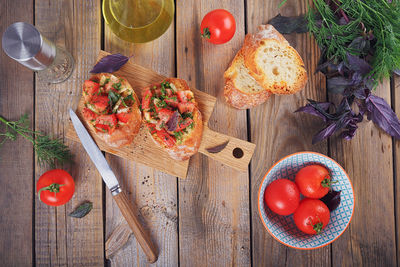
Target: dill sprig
[[377, 18], [48, 150]]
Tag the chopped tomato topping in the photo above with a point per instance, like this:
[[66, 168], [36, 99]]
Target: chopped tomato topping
[[185, 107], [173, 102], [107, 120], [168, 140], [102, 128], [90, 88], [183, 124], [169, 92], [123, 117], [100, 102], [146, 99], [151, 127], [88, 114], [184, 96], [165, 114]]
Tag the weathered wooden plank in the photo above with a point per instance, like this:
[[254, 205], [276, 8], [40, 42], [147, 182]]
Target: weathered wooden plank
[[153, 192], [214, 215], [396, 149], [278, 132], [16, 158], [370, 238], [62, 240]]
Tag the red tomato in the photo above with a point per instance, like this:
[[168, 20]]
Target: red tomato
[[91, 88], [313, 181], [88, 114], [311, 216], [184, 96], [218, 26], [168, 140], [55, 187], [100, 102], [172, 102], [107, 122], [146, 99], [183, 124], [123, 117], [282, 196], [185, 107], [165, 114]]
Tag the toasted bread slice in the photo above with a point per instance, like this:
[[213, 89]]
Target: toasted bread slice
[[116, 125], [241, 90], [163, 101], [273, 62]]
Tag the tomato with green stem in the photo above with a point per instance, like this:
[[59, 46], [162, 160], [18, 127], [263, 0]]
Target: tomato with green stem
[[55, 187], [311, 216], [314, 181], [218, 26]]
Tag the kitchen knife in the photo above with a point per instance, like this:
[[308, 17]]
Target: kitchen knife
[[111, 181]]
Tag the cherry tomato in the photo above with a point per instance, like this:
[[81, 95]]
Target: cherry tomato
[[55, 187], [311, 216], [218, 26], [282, 196], [313, 181]]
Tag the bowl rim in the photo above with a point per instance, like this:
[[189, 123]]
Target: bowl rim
[[273, 166]]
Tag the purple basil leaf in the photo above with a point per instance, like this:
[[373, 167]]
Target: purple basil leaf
[[336, 85], [313, 111], [110, 63], [173, 121], [382, 114], [324, 133], [218, 148], [332, 200], [286, 25], [358, 64], [397, 71], [361, 93]]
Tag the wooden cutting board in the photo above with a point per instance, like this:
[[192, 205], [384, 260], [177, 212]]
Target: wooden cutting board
[[236, 154]]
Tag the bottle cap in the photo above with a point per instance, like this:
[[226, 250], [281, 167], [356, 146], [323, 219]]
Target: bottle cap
[[23, 42]]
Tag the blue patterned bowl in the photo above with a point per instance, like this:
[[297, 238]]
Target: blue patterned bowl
[[282, 228]]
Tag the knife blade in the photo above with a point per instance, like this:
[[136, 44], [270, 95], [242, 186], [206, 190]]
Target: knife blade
[[95, 154], [111, 181]]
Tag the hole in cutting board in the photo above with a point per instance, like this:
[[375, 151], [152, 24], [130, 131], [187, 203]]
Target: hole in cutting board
[[238, 153]]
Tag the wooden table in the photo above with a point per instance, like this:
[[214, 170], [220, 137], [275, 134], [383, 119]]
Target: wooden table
[[211, 217]]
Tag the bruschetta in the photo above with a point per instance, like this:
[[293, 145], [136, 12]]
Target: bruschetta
[[111, 108], [172, 116]]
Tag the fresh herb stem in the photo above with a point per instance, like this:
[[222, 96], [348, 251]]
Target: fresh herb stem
[[48, 151]]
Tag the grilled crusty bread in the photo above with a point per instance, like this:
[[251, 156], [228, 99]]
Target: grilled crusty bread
[[265, 65], [241, 90], [124, 123], [274, 63], [182, 144]]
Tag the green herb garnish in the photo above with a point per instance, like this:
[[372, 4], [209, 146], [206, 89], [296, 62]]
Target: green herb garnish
[[48, 151], [117, 86]]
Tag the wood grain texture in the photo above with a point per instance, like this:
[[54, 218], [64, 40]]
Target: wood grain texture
[[153, 192], [278, 132], [367, 158], [396, 149], [16, 157], [213, 201], [61, 240]]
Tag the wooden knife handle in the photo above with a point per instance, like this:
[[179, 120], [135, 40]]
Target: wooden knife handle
[[141, 236]]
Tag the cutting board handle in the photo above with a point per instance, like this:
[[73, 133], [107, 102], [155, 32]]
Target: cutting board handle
[[237, 153], [142, 237]]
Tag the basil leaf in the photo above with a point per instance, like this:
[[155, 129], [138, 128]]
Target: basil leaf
[[82, 210], [110, 63], [218, 148], [286, 25]]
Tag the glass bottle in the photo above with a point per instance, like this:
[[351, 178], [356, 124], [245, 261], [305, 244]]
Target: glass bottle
[[138, 21]]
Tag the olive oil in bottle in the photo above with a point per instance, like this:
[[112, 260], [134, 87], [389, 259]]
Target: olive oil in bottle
[[138, 21]]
